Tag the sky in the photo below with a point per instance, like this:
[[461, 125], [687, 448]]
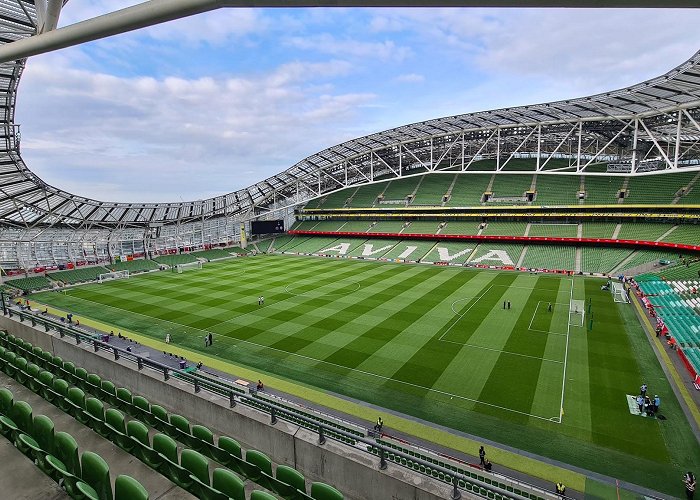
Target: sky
[[210, 104]]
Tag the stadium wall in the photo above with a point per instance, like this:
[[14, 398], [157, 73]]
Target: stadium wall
[[353, 472]]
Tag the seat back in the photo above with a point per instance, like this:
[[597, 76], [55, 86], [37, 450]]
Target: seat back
[[260, 460], [323, 491], [6, 401], [138, 431], [94, 380], [43, 433], [180, 423], [166, 446], [115, 419], [46, 378], [95, 408], [33, 370], [21, 364], [203, 434], [60, 386], [141, 404], [95, 472], [160, 413], [228, 483], [66, 450], [109, 390], [57, 361], [196, 463], [77, 397], [291, 476], [21, 414], [230, 445], [124, 395], [81, 374], [69, 368], [128, 488]]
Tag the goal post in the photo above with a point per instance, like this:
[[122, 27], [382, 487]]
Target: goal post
[[619, 293], [189, 266], [114, 275], [577, 311]]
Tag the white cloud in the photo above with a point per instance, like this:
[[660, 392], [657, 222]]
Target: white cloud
[[326, 43], [158, 139], [410, 78]]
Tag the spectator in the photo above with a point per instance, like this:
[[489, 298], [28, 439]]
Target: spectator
[[482, 455], [689, 481], [488, 466], [561, 489]]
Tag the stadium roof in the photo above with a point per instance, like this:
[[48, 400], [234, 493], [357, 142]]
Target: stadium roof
[[661, 113]]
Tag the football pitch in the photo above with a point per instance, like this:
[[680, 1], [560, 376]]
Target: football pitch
[[502, 355]]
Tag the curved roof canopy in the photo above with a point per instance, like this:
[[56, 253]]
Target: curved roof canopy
[[657, 120]]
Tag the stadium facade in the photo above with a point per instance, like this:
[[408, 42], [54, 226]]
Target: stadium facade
[[651, 128]]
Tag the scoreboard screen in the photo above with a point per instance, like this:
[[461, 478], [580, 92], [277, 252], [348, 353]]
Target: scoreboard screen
[[266, 226]]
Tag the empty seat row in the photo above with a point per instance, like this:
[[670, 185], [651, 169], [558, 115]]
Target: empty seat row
[[56, 454], [65, 385]]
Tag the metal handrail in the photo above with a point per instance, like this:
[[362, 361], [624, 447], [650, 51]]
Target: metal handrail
[[276, 412]]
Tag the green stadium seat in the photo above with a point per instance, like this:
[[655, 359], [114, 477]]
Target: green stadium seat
[[182, 430], [124, 400], [94, 481], [6, 401], [162, 419], [64, 464], [128, 488], [76, 402], [229, 484], [109, 393], [69, 373], [33, 371], [93, 383], [323, 491], [21, 370], [9, 366], [95, 415], [166, 447], [116, 428], [258, 468], [288, 481], [81, 378], [198, 466], [202, 439], [228, 452], [138, 433], [45, 383], [59, 393], [40, 442], [142, 410], [19, 420]]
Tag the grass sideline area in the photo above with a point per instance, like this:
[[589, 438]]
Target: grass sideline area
[[437, 340]]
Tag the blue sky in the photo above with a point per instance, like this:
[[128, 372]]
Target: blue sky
[[213, 103]]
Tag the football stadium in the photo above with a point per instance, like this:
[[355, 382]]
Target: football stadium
[[523, 281]]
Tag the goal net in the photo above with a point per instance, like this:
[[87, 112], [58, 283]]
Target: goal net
[[619, 293], [181, 268], [576, 312], [115, 275]]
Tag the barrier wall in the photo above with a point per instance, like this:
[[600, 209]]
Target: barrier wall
[[663, 245], [353, 472]]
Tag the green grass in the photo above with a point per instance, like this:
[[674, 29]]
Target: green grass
[[431, 342]]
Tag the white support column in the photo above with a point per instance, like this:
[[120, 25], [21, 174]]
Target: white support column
[[678, 140], [634, 145], [464, 139], [498, 150], [578, 153], [539, 146]]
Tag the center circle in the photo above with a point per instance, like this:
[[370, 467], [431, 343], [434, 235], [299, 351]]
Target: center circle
[[325, 289]]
